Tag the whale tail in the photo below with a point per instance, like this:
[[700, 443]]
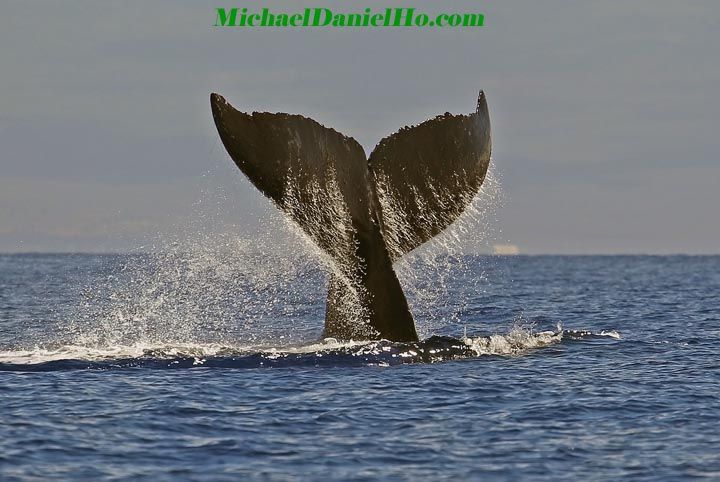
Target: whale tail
[[364, 213]]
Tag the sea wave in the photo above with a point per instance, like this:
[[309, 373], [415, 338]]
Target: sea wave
[[324, 352]]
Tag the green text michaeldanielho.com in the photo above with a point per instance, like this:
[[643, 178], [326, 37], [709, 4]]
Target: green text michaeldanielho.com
[[325, 17]]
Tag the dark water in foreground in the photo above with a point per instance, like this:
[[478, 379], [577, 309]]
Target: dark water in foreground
[[126, 374]]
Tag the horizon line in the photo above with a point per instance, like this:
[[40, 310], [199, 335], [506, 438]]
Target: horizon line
[[488, 254]]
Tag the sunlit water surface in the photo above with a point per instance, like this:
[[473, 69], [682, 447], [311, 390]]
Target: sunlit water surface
[[197, 366]]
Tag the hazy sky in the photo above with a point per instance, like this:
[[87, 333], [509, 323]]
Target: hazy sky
[[606, 115]]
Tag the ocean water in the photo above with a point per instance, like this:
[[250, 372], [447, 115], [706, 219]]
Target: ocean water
[[208, 366]]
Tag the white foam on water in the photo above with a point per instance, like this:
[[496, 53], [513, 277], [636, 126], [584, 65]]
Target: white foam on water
[[85, 353], [513, 343], [610, 334], [162, 351], [518, 341]]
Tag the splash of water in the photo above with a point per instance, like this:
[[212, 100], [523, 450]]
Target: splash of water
[[426, 273], [224, 289], [330, 237]]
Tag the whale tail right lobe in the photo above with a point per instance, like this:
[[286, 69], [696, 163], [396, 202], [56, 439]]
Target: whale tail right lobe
[[426, 175], [423, 178]]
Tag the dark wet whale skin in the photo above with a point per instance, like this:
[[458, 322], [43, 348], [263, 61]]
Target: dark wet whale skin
[[324, 181]]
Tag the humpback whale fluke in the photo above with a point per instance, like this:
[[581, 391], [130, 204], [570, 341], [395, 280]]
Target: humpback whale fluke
[[365, 213]]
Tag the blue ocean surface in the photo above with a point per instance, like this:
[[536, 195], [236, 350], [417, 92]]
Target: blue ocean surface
[[189, 366]]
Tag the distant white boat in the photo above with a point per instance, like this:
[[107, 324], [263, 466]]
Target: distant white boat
[[506, 250]]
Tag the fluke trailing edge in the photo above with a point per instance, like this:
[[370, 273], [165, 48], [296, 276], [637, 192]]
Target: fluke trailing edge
[[365, 213]]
